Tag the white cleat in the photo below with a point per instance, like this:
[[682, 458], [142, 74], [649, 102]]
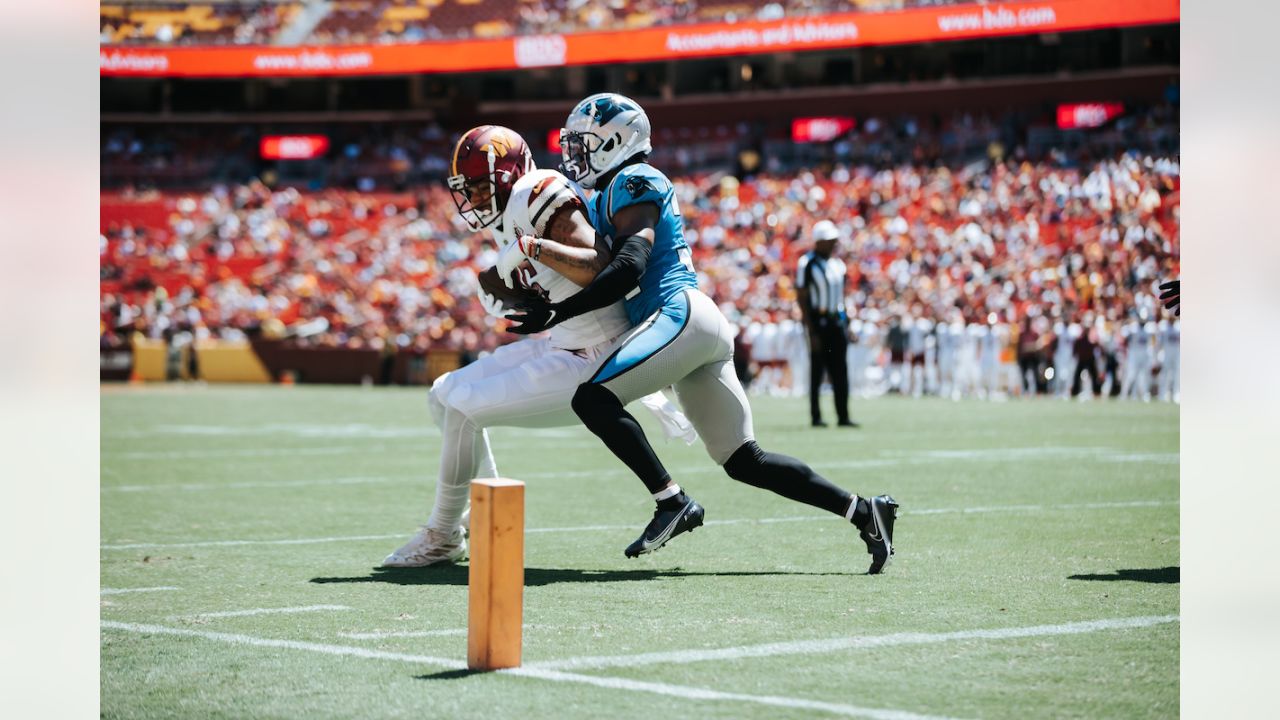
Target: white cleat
[[429, 547]]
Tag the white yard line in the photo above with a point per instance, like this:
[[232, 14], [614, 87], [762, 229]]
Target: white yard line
[[809, 647], [591, 528], [446, 632], [548, 670], [241, 452], [122, 591], [611, 683], [886, 459], [300, 430], [697, 693], [1037, 508], [261, 611], [250, 484], [443, 632], [232, 543], [236, 639]]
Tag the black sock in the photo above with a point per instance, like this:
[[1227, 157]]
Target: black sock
[[604, 415], [787, 477], [675, 502], [861, 513]]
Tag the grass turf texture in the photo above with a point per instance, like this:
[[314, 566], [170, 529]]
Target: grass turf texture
[[1091, 534]]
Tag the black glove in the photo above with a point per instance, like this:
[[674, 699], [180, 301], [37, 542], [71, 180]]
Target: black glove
[[533, 316], [1172, 295]]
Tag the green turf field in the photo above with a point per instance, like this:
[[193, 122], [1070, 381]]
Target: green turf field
[[1036, 574]]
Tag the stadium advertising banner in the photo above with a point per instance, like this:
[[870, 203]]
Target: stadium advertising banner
[[820, 129], [1087, 115], [931, 24], [293, 147]]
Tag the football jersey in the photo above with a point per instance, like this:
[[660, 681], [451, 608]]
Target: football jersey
[[670, 267], [535, 198]]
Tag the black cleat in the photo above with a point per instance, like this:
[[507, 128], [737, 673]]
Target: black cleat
[[818, 423], [849, 424], [878, 532], [665, 525]]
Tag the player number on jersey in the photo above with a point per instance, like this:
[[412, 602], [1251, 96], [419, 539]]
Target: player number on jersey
[[686, 258]]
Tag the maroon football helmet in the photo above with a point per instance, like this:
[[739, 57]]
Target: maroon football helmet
[[487, 161]]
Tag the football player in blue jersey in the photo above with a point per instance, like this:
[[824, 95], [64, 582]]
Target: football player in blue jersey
[[680, 337]]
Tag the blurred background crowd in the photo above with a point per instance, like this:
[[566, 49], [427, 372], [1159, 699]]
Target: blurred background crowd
[[321, 22], [975, 267], [1007, 202]]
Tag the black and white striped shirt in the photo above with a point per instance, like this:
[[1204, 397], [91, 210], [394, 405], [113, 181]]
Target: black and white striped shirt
[[825, 279]]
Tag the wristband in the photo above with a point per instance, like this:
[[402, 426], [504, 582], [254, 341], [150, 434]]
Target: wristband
[[531, 248]]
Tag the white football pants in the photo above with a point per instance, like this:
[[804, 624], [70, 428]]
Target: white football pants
[[527, 384]]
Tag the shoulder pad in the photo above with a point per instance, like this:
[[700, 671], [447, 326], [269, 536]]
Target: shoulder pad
[[635, 185]]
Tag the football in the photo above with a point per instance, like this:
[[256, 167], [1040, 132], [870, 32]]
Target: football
[[491, 283]]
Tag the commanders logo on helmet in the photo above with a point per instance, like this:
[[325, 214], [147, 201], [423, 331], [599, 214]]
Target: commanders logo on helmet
[[487, 162]]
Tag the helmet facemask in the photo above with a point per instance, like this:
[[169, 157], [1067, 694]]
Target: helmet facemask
[[476, 198], [576, 149]]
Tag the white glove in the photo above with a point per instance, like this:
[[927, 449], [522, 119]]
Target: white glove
[[492, 304], [513, 254]]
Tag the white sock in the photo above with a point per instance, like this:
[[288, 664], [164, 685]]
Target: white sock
[[669, 492], [459, 458]]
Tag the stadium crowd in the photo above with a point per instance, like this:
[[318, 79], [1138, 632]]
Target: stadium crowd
[[992, 277], [258, 22]]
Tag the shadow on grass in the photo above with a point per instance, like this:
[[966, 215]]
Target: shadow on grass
[[449, 675], [533, 577], [1166, 575]]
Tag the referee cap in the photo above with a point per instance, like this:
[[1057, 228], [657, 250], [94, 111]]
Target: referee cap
[[825, 230]]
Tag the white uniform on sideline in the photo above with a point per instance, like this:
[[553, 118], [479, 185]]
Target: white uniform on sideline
[[990, 344], [1138, 359], [528, 383], [1170, 335], [795, 343], [968, 376], [949, 339], [855, 356], [869, 373], [1064, 360]]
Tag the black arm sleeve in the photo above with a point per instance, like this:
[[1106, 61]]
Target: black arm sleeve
[[612, 283]]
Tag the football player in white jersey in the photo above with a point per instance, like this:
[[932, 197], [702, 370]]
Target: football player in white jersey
[[990, 344], [868, 354], [1170, 336], [968, 375], [1064, 359], [529, 383], [1138, 357], [949, 333]]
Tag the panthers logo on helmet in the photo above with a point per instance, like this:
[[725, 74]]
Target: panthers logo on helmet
[[605, 108], [637, 186]]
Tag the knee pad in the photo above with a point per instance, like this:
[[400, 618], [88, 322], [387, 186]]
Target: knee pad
[[436, 398], [590, 399]]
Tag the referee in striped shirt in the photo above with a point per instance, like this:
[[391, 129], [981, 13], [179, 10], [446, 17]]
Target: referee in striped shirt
[[820, 280]]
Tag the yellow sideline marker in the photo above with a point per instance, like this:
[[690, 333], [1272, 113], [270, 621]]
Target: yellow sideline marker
[[496, 583]]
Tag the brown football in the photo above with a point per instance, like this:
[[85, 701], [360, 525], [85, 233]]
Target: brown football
[[510, 297]]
